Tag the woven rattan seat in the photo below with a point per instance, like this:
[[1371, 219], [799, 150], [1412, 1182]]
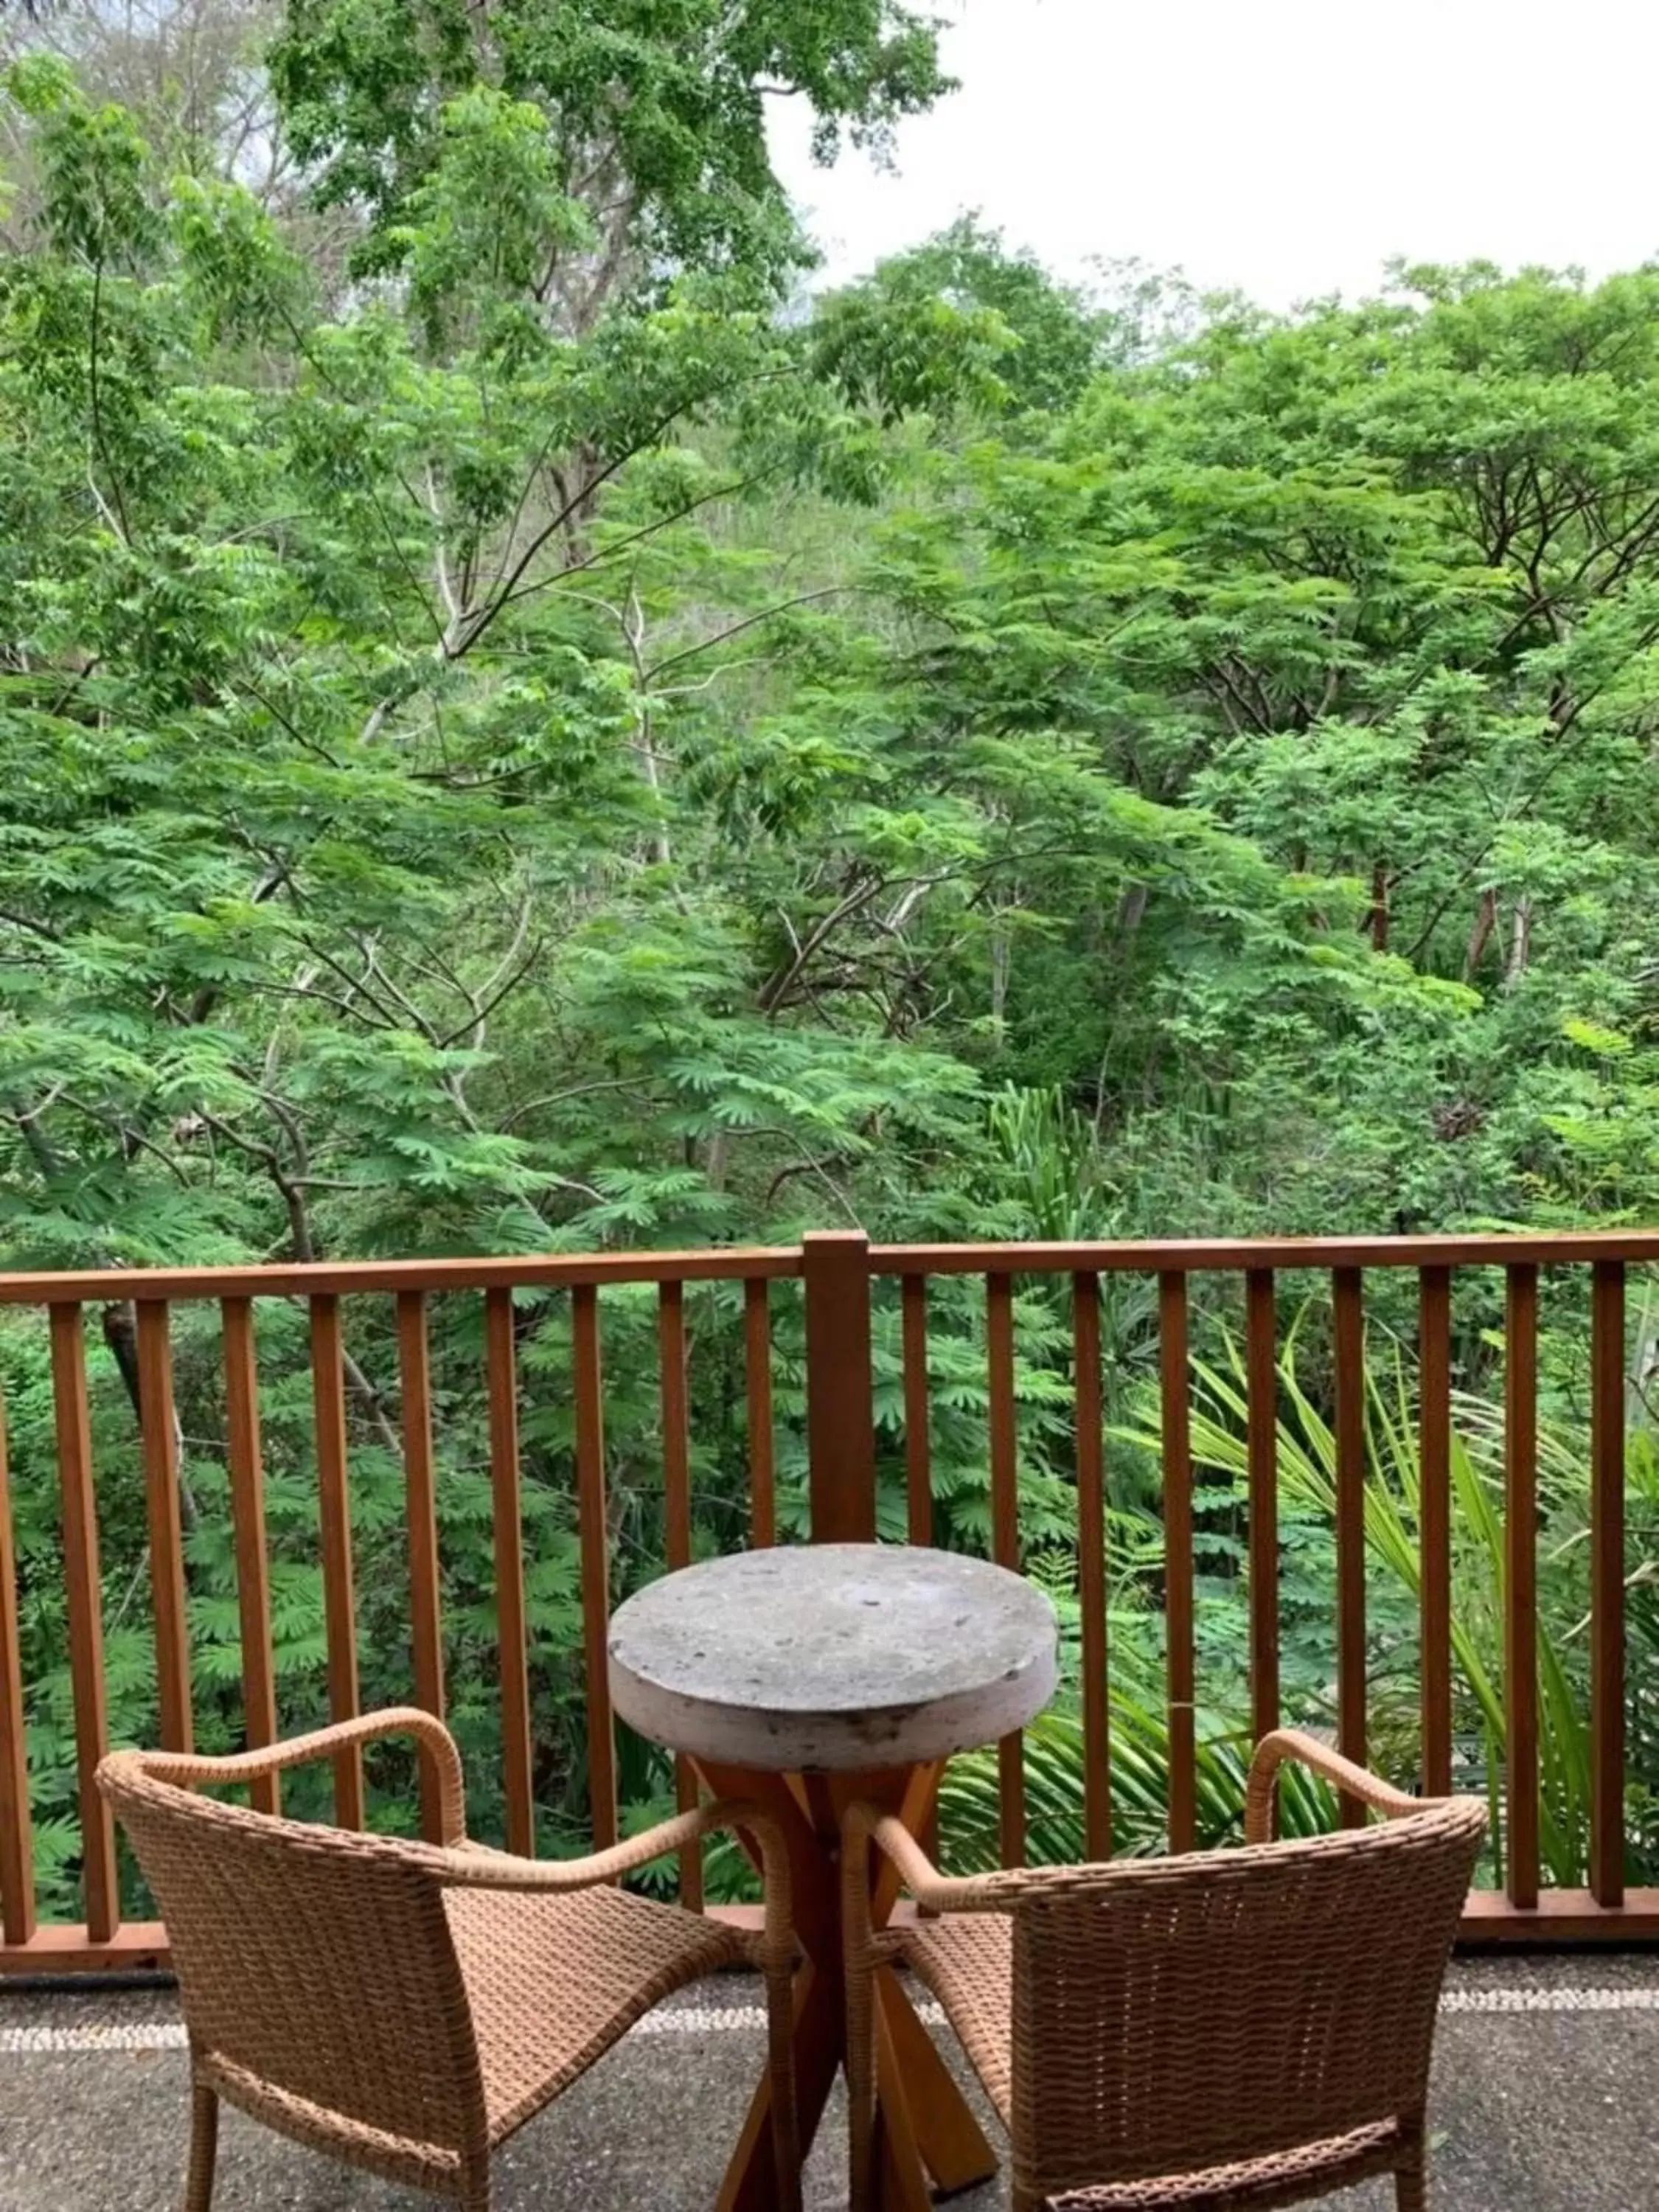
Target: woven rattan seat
[[403, 2006], [1231, 2029], [607, 1952], [967, 1962]]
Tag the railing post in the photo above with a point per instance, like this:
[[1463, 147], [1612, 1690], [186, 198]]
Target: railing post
[[334, 1522], [159, 1425], [1348, 1344], [1434, 1527], [1091, 1563], [841, 1437], [16, 1844], [84, 1595], [421, 1511], [1606, 1870], [1005, 1539], [1261, 1369], [1175, 1382], [593, 1527], [506, 1525], [757, 1387], [248, 1521], [1521, 1584]]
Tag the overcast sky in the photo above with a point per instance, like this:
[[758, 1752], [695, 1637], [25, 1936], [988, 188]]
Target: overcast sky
[[1288, 148]]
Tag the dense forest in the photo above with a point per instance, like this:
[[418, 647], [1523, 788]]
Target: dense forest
[[524, 727]]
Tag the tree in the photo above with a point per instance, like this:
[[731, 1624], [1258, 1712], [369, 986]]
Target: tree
[[1051, 339], [432, 484], [652, 113]]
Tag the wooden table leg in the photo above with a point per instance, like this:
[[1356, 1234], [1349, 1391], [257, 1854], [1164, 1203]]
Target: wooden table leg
[[820, 2003], [924, 2122], [940, 2126], [952, 2144], [901, 2178]]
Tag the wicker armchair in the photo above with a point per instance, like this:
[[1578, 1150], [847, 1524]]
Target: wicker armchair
[[1228, 2029], [406, 2006]]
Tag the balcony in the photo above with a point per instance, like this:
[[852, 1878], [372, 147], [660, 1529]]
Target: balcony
[[194, 1453]]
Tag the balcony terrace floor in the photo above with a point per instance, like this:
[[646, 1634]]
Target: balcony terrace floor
[[1543, 2101]]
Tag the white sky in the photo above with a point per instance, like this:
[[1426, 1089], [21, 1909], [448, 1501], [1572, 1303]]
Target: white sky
[[1288, 148]]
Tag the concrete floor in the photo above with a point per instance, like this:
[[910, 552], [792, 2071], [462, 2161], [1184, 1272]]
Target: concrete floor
[[1545, 2100]]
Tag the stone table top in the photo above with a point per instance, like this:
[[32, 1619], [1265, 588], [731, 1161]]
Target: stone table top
[[833, 1655]]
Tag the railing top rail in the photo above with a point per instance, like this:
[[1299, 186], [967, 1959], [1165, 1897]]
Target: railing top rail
[[759, 1263], [327, 1278], [1220, 1255]]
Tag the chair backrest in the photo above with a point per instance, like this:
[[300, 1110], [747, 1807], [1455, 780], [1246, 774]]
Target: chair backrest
[[1172, 2015], [317, 1962]]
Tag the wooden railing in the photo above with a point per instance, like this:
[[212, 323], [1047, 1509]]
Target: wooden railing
[[838, 1272]]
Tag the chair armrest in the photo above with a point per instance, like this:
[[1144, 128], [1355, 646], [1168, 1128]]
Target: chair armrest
[[1353, 1780], [188, 1771], [864, 1822], [475, 1867]]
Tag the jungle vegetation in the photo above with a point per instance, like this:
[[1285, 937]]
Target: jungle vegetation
[[525, 726]]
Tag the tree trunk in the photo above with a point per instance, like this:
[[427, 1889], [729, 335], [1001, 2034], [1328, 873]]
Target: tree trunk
[[1520, 942], [1380, 915], [1486, 920], [998, 978]]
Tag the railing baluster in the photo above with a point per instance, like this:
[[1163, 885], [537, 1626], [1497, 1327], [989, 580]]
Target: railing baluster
[[1178, 1559], [334, 1515], [1434, 1525], [159, 1426], [86, 1624], [677, 1513], [421, 1507], [918, 1441], [1521, 1578], [16, 1835], [501, 1383], [1261, 1449], [1348, 1333], [918, 1456], [758, 1389], [1606, 1867], [247, 1517], [1091, 1566], [1005, 1537], [595, 1561]]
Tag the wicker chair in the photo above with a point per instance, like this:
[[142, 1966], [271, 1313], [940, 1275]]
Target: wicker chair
[[406, 2006], [1228, 2029]]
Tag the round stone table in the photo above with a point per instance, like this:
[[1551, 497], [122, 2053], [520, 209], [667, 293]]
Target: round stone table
[[804, 1679]]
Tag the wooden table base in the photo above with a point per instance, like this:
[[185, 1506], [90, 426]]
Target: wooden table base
[[924, 2126]]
